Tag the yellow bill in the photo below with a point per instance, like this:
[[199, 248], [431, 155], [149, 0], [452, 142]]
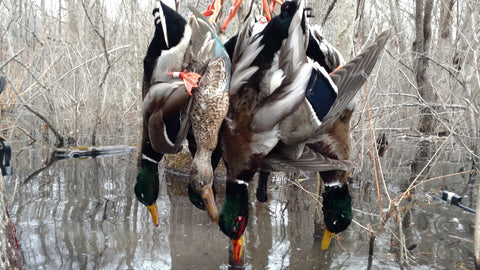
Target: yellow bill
[[327, 238], [154, 212]]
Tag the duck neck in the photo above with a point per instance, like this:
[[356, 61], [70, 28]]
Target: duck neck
[[234, 215], [335, 178]]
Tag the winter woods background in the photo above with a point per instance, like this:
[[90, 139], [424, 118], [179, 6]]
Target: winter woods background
[[74, 69], [79, 63]]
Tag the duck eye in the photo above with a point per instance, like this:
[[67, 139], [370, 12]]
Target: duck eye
[[239, 226], [308, 12]]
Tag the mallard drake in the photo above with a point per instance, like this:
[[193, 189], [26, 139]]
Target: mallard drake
[[263, 54], [323, 142], [322, 52], [213, 10], [163, 101], [173, 112], [308, 136]]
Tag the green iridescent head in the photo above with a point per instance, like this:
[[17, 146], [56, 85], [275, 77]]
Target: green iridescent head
[[337, 208], [233, 217], [147, 185]]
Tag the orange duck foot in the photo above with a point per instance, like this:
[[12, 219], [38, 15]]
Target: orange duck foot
[[190, 79], [213, 10]]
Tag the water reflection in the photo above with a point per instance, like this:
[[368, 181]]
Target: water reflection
[[82, 214], [279, 253]]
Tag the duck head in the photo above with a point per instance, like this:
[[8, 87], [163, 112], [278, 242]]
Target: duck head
[[147, 186], [337, 201], [201, 192], [233, 217], [196, 199], [337, 208]]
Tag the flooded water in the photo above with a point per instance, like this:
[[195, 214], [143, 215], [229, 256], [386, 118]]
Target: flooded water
[[82, 214]]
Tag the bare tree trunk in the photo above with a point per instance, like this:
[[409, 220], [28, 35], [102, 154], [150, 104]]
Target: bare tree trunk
[[476, 232], [445, 27], [421, 48], [396, 22], [345, 27]]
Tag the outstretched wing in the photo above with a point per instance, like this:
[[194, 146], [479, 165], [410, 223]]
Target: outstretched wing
[[350, 77]]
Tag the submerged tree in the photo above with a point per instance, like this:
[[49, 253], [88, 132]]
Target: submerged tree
[[421, 48]]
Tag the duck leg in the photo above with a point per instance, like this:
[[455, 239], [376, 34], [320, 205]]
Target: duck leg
[[213, 10], [261, 193], [233, 11], [273, 2], [266, 9], [190, 79]]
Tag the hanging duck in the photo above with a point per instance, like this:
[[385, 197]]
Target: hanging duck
[[186, 76], [323, 142], [164, 99], [260, 120], [269, 76], [209, 104]]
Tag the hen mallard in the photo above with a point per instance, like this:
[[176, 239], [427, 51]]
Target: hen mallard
[[209, 105], [302, 135], [177, 102]]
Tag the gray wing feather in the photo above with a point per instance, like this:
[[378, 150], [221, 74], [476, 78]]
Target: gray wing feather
[[246, 50], [308, 161], [351, 77]]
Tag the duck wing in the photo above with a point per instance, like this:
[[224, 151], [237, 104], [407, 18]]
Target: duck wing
[[350, 77], [308, 161], [247, 48], [292, 61], [322, 52], [162, 112]]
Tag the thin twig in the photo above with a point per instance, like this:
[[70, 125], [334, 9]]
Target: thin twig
[[374, 159], [11, 58], [313, 195], [400, 197]]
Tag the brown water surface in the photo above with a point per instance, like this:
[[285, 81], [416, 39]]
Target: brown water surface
[[82, 214]]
